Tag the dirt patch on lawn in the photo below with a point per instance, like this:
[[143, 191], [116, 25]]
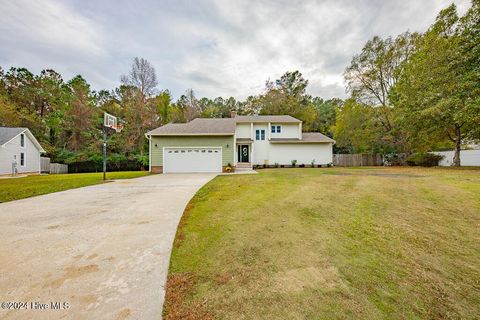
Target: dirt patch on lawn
[[177, 299], [299, 279]]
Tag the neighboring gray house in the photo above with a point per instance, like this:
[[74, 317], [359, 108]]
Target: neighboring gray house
[[19, 145]]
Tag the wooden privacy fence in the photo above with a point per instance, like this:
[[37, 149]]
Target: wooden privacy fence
[[53, 168], [357, 160]]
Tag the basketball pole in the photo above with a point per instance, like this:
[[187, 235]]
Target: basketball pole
[[104, 153]]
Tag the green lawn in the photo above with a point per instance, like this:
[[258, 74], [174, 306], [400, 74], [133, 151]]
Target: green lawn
[[19, 188], [333, 243]]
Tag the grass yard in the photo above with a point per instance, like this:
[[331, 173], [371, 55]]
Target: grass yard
[[333, 243], [19, 188]]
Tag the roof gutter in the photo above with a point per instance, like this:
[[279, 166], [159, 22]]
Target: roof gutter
[[188, 134]]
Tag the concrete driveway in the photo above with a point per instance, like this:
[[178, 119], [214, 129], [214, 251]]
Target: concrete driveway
[[103, 249]]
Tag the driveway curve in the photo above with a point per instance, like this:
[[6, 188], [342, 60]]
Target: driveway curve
[[104, 250]]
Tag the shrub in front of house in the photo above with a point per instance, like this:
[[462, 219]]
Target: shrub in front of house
[[424, 159], [294, 163]]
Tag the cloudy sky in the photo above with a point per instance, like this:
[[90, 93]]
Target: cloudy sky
[[217, 48]]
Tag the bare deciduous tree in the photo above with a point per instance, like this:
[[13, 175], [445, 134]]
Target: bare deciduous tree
[[142, 76]]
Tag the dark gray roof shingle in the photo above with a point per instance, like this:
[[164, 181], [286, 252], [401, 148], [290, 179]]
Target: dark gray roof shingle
[[8, 133], [307, 137], [198, 126], [276, 119], [216, 126]]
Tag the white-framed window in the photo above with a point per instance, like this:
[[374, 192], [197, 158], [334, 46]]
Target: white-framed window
[[22, 159], [22, 140], [260, 134], [276, 129]]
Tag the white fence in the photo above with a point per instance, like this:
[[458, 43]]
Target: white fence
[[467, 158], [58, 168], [53, 168], [44, 165]]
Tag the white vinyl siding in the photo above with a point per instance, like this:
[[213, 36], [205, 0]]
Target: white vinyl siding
[[304, 153], [287, 130], [13, 147], [259, 150], [243, 130], [467, 158]]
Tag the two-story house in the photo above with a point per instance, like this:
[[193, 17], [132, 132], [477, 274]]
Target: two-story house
[[210, 145]]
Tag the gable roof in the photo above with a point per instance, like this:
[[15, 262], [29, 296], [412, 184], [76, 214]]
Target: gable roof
[[198, 126], [307, 137], [276, 119], [9, 133], [215, 126]]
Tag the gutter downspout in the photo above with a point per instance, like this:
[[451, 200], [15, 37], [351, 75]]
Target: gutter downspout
[[149, 152]]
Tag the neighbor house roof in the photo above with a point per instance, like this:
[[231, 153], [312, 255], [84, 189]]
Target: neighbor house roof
[[307, 137], [198, 126], [276, 119], [8, 133]]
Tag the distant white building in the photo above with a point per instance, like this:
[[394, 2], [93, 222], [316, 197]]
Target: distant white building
[[467, 158], [19, 146]]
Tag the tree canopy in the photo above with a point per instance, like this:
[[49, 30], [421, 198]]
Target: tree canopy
[[407, 93]]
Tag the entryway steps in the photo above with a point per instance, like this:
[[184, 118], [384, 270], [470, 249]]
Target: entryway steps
[[244, 165]]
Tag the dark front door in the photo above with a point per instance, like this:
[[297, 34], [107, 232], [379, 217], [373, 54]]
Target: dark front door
[[244, 153]]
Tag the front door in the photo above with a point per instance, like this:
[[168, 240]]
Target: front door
[[244, 153]]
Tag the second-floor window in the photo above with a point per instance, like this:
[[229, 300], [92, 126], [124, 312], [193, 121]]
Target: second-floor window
[[259, 134], [22, 140], [276, 129]]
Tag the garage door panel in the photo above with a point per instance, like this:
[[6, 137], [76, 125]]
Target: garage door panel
[[208, 159]]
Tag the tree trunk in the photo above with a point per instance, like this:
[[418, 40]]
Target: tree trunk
[[458, 140]]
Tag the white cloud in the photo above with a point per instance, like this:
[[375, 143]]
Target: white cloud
[[216, 47], [48, 34]]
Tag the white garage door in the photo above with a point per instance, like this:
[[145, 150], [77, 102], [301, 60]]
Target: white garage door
[[192, 159]]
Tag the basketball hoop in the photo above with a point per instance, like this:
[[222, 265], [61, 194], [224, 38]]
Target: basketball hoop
[[118, 128], [112, 122]]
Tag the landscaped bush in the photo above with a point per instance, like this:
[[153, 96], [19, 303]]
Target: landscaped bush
[[424, 159], [93, 162], [94, 166], [394, 159]]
